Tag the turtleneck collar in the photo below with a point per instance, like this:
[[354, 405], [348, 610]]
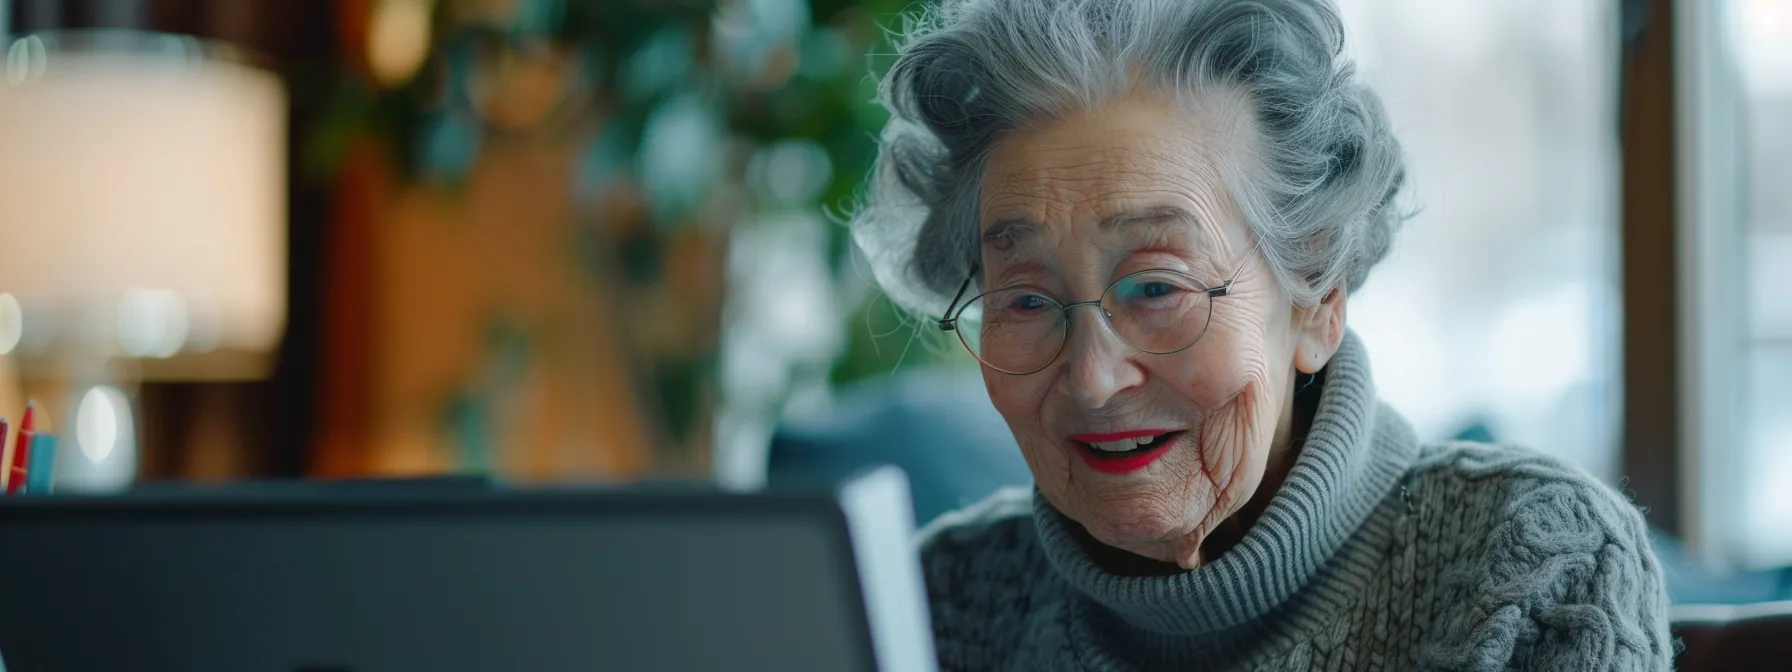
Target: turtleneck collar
[[1354, 455]]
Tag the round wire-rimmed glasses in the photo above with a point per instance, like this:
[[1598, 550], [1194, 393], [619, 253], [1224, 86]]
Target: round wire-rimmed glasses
[[1022, 330]]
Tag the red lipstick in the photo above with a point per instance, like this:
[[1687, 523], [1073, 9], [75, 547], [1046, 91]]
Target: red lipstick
[[1124, 463]]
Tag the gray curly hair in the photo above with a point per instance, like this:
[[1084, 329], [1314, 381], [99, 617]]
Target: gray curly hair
[[1319, 202]]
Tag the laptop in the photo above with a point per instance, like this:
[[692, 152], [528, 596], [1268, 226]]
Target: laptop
[[376, 579]]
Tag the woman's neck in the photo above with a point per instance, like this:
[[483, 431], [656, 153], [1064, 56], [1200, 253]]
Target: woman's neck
[[1291, 433]]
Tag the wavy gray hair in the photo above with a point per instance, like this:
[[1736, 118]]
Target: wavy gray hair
[[1319, 201]]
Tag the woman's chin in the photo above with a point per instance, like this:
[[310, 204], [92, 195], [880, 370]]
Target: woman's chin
[[1144, 529], [1155, 513], [1134, 552]]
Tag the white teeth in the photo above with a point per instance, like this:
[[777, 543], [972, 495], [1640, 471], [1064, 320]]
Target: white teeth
[[1124, 445], [1120, 446]]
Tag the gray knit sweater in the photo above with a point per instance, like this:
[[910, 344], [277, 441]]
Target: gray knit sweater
[[1378, 553]]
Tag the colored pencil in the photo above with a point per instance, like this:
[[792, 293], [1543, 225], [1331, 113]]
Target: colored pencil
[[43, 465], [5, 455], [20, 459]]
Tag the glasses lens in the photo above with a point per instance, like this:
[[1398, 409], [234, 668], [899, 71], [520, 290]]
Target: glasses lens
[[1012, 330], [1158, 311]]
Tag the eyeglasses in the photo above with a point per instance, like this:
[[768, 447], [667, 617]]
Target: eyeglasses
[[1020, 330]]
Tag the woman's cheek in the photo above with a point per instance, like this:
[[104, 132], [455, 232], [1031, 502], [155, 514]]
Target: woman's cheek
[[1021, 402], [1213, 377]]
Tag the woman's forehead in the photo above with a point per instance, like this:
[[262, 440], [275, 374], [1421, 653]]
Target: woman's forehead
[[1086, 169], [1169, 216], [1127, 164]]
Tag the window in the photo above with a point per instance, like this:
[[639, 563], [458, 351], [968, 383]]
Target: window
[[1733, 114], [1759, 34], [1496, 314]]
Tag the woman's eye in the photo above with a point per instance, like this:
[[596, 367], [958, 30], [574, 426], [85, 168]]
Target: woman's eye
[[1150, 289], [1030, 302], [1016, 305]]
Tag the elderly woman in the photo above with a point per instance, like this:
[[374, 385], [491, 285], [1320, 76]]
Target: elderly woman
[[1145, 218]]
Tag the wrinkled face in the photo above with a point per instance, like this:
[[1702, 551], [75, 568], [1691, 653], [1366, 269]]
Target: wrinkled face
[[1074, 205]]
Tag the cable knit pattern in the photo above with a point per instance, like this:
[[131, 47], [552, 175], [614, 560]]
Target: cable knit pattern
[[1377, 553]]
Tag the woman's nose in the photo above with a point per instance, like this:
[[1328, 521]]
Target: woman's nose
[[1098, 365]]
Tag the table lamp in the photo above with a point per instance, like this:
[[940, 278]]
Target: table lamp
[[142, 226]]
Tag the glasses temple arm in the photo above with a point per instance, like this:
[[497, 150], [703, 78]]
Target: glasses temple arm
[[1223, 290], [947, 322]]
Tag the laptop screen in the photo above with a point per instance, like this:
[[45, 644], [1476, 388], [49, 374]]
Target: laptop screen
[[510, 582]]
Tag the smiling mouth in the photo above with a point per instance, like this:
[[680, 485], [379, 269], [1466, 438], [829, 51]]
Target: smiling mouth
[[1122, 454]]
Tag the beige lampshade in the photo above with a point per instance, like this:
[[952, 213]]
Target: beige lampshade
[[142, 203]]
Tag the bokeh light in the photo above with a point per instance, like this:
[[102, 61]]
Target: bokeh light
[[12, 323], [398, 40]]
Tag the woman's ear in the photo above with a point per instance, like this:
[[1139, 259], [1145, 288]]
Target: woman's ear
[[1318, 331]]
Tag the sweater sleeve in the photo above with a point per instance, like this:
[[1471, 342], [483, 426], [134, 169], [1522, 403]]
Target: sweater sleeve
[[1568, 581], [972, 560]]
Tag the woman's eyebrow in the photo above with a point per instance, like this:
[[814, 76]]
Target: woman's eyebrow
[[1011, 272], [1162, 218], [1009, 231]]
